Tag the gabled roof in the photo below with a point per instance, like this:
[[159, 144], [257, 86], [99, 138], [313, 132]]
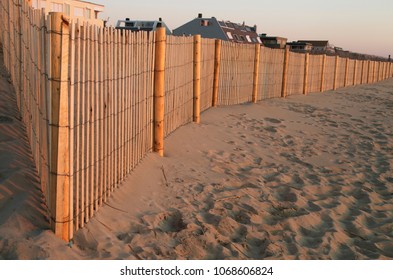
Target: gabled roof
[[224, 30]]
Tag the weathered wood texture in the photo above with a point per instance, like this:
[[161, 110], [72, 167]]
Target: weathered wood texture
[[295, 74], [270, 73], [236, 74]]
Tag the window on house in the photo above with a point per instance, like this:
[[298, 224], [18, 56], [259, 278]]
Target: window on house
[[67, 9], [248, 39], [129, 24], [259, 40], [56, 7], [242, 38], [204, 22], [78, 12], [96, 14], [88, 13], [229, 34]]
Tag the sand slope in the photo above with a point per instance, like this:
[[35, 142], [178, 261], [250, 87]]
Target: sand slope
[[24, 224], [297, 178]]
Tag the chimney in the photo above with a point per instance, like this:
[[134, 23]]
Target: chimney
[[160, 19], [199, 15], [127, 19]]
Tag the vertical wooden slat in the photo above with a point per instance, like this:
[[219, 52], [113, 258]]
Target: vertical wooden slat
[[101, 102], [72, 129], [97, 125]]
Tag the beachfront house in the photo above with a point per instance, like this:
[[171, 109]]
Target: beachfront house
[[215, 29], [141, 25], [319, 46], [81, 10], [300, 47], [273, 42]]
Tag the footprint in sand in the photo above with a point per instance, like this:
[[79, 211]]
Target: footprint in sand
[[271, 120]]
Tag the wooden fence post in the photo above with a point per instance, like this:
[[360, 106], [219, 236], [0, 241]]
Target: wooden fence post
[[159, 90], [60, 169], [346, 72], [305, 80], [20, 88], [323, 72], [354, 72], [335, 73], [217, 64], [361, 75], [197, 78], [368, 71], [256, 73], [379, 71], [285, 73]]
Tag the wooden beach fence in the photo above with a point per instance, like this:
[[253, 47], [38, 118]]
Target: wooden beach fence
[[295, 78], [270, 73], [330, 65], [236, 74], [178, 82], [207, 73], [315, 73], [95, 101]]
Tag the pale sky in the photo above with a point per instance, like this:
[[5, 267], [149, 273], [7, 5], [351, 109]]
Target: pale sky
[[364, 26]]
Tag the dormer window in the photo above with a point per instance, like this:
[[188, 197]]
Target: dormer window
[[204, 22]]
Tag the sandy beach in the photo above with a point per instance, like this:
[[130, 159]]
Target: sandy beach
[[305, 177]]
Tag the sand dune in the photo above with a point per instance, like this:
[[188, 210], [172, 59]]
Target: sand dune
[[296, 178]]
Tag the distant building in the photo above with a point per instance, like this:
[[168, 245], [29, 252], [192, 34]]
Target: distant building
[[224, 30], [75, 9], [319, 46], [274, 42], [141, 25], [300, 46]]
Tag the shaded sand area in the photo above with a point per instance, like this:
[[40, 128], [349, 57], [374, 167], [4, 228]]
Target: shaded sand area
[[296, 178]]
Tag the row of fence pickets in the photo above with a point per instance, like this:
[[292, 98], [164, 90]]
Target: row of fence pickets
[[108, 123]]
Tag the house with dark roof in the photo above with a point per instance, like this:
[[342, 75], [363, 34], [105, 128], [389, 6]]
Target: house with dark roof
[[299, 47], [141, 25], [319, 46], [273, 42], [215, 29]]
